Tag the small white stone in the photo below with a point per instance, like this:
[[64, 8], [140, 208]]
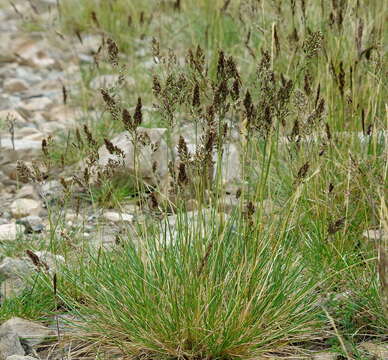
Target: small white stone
[[118, 217], [24, 207], [378, 234], [8, 232], [325, 355]]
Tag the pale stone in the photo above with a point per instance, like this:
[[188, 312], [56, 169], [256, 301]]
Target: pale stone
[[12, 114], [378, 350], [8, 232], [376, 234], [9, 344], [24, 207], [53, 261], [64, 114], [26, 131], [32, 333], [104, 81], [15, 85], [14, 272], [36, 104], [146, 157], [118, 217], [325, 355], [32, 53], [27, 191]]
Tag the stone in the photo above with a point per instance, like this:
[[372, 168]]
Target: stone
[[104, 238], [64, 115], [104, 81], [14, 85], [27, 191], [32, 333], [53, 261], [200, 220], [325, 355], [380, 351], [109, 81], [24, 207], [118, 217], [32, 53], [12, 114], [8, 232], [9, 344], [14, 272], [376, 234], [147, 155], [24, 150], [20, 357], [32, 224], [27, 131], [36, 104]]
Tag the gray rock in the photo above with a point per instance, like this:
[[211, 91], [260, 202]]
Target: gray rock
[[203, 220], [36, 104], [104, 81], [325, 355], [53, 261], [114, 216], [12, 114], [15, 85], [109, 81], [27, 191], [32, 224], [14, 272], [51, 190], [30, 332], [147, 155], [9, 344], [375, 234], [20, 357], [380, 351], [8, 232]]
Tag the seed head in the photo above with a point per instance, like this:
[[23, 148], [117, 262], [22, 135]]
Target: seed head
[[196, 96], [113, 52], [138, 116]]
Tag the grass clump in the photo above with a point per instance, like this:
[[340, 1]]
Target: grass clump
[[218, 293]]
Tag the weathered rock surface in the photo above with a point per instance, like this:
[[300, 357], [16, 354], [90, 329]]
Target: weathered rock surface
[[325, 355], [14, 272], [155, 152], [32, 224], [9, 344], [114, 216], [25, 207], [375, 234], [15, 85], [8, 232], [32, 333], [380, 351]]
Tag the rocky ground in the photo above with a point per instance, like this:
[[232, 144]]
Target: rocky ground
[[33, 107]]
